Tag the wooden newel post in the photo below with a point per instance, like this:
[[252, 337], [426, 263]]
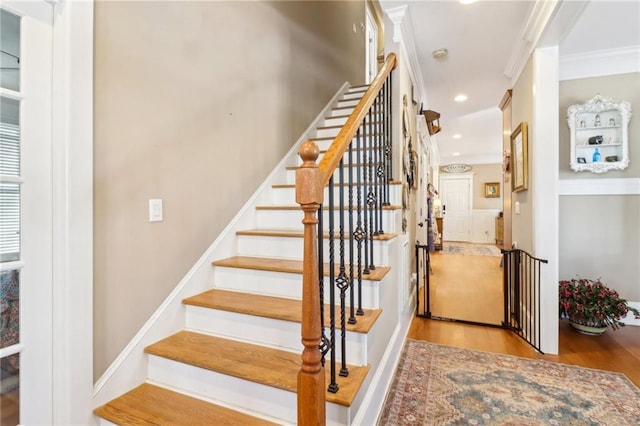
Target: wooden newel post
[[311, 378]]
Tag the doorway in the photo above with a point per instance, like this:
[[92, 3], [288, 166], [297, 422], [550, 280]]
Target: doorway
[[457, 199], [371, 35]]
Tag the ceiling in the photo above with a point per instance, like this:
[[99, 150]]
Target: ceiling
[[483, 40]]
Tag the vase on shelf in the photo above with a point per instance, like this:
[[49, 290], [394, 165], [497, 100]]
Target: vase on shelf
[[591, 329]]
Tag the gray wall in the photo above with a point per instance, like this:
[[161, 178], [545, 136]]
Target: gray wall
[[522, 110], [484, 173], [600, 234], [195, 103]]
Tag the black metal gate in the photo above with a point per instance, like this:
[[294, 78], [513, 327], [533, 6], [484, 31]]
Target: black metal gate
[[522, 294], [521, 280]]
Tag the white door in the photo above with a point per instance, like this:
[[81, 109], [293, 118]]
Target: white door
[[26, 209], [455, 194], [371, 34]]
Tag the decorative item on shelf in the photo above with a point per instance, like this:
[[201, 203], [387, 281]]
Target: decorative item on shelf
[[455, 168], [611, 158], [519, 153], [591, 306], [433, 121], [612, 121], [596, 140], [596, 156], [492, 189], [596, 121], [583, 124], [582, 160]]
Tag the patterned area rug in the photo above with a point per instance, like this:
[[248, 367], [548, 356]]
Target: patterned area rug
[[441, 385], [471, 249]]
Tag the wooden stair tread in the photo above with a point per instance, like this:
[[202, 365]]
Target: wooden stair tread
[[271, 307], [152, 405], [299, 234], [259, 364], [324, 207], [286, 265]]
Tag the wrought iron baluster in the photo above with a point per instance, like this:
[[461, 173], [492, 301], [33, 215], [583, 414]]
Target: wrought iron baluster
[[371, 196], [342, 282], [352, 317], [365, 188], [380, 180], [359, 233], [333, 385], [324, 342]]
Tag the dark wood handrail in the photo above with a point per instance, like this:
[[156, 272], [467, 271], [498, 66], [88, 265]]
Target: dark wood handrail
[[311, 178], [332, 157]]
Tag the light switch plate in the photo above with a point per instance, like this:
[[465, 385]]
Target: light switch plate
[[155, 210]]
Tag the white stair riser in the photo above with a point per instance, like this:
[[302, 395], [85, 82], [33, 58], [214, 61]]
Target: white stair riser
[[348, 102], [358, 94], [279, 284], [291, 174], [292, 248], [292, 219], [287, 196], [266, 400], [324, 144], [333, 132], [267, 331], [341, 111]]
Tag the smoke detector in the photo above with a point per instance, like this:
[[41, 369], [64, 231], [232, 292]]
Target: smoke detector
[[439, 53]]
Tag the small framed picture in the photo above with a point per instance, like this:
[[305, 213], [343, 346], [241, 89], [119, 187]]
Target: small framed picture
[[582, 160], [492, 189]]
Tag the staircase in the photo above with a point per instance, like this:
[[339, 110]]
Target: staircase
[[237, 359]]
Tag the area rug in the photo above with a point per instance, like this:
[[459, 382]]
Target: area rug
[[441, 385], [471, 249]]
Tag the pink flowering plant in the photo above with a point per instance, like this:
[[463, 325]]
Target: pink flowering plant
[[590, 302]]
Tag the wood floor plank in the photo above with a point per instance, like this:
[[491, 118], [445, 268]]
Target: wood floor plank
[[271, 307], [152, 405], [259, 364], [286, 265]]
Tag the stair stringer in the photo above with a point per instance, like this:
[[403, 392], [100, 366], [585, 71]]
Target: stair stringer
[[129, 369]]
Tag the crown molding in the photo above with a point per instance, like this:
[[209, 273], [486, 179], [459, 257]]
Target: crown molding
[[403, 35], [539, 17], [600, 62]]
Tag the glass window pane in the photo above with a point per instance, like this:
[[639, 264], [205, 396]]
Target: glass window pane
[[9, 222], [10, 390], [9, 307], [9, 137], [9, 51]]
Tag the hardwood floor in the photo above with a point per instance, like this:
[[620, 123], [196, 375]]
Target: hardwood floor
[[614, 351], [9, 411], [467, 287]]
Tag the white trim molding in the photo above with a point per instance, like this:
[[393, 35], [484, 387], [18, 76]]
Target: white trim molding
[[604, 186], [600, 62], [539, 18], [403, 35]]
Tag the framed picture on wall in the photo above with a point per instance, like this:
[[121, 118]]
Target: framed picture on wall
[[519, 158], [492, 189]]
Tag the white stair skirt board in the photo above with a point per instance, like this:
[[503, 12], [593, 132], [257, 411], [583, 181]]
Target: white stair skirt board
[[291, 248], [287, 196], [292, 219], [270, 332], [280, 284], [228, 390]]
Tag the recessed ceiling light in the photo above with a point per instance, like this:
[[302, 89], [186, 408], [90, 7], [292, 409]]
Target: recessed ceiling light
[[439, 53], [455, 154], [457, 136], [460, 98]]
